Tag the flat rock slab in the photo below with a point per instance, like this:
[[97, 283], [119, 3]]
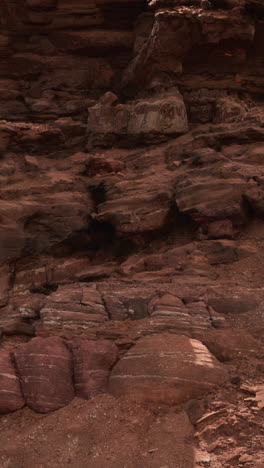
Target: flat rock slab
[[45, 369], [11, 398], [166, 369]]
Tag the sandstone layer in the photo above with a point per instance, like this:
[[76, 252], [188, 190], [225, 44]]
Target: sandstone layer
[[131, 233]]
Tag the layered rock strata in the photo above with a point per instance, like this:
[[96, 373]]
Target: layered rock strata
[[166, 369], [131, 230], [11, 395]]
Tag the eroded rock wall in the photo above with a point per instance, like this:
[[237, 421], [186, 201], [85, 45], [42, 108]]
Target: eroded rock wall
[[131, 225]]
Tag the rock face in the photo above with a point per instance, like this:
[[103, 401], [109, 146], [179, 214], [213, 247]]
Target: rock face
[[192, 36], [131, 230], [45, 369], [11, 398], [78, 306], [166, 369], [137, 205], [145, 118], [92, 361]]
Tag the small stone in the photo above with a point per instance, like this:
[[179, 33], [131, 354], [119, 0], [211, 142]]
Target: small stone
[[212, 446], [206, 5], [245, 458], [221, 229], [109, 99], [234, 456]]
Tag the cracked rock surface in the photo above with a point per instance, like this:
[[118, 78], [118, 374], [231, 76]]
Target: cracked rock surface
[[131, 233]]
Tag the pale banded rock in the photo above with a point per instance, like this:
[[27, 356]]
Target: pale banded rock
[[164, 116], [45, 369], [59, 271], [75, 306], [123, 301], [170, 313], [9, 318], [92, 361], [11, 398], [166, 369]]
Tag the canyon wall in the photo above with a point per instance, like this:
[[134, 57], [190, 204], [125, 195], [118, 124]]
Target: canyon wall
[[131, 232]]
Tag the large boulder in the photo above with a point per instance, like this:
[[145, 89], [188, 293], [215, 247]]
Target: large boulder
[[11, 398], [45, 369], [166, 369], [159, 115], [137, 204], [153, 116], [178, 35]]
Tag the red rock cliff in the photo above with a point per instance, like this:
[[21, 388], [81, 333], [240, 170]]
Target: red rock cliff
[[131, 233]]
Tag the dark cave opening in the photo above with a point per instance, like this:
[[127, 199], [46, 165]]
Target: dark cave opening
[[45, 288], [226, 57]]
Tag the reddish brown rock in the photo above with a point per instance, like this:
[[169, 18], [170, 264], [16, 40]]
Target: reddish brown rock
[[56, 271], [231, 344], [166, 369], [88, 41], [92, 361], [155, 116], [12, 323], [29, 305], [156, 237], [5, 277], [186, 31], [220, 229], [229, 110], [137, 204], [11, 398], [194, 258], [206, 198], [233, 300], [124, 302], [73, 307], [37, 221], [99, 165], [168, 313], [45, 370], [255, 198], [120, 432]]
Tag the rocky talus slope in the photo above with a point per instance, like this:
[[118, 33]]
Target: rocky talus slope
[[131, 233]]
